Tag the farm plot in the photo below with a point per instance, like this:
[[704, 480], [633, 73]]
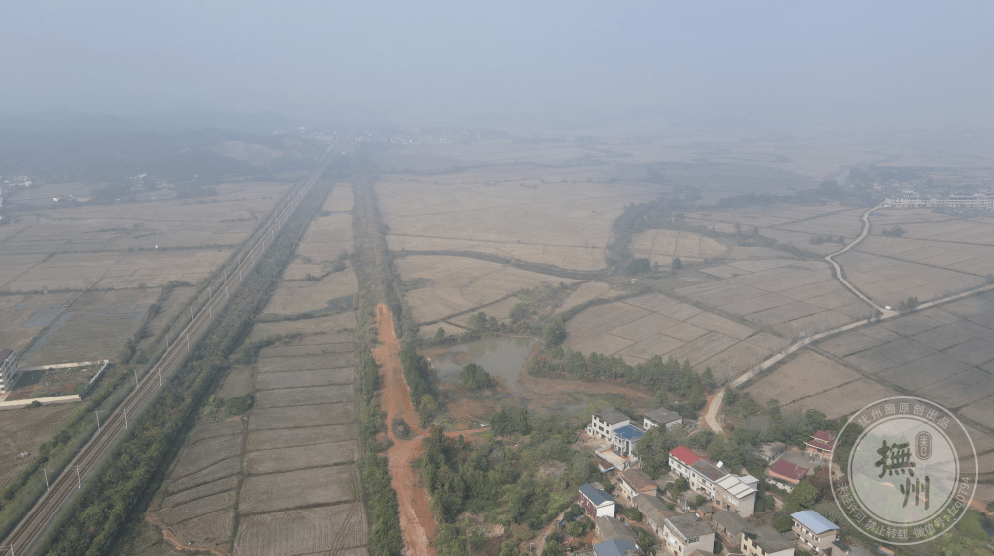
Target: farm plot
[[318, 361], [968, 259], [924, 224], [301, 457], [157, 268], [458, 284], [638, 328], [285, 438], [662, 246], [24, 430], [293, 298], [334, 323], [939, 354], [887, 280], [460, 212], [309, 531], [298, 489], [289, 397], [95, 327], [22, 317], [206, 453], [808, 375], [588, 291], [305, 379], [785, 294]]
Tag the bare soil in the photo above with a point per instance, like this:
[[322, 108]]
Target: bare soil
[[417, 524]]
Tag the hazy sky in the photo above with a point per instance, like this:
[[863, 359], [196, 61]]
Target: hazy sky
[[892, 62]]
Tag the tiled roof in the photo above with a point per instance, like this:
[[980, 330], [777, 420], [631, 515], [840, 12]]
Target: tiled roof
[[614, 547], [611, 416], [597, 497], [709, 470], [684, 455], [638, 479], [787, 469], [769, 539], [662, 416], [731, 522], [814, 521], [736, 486], [688, 526], [821, 440]]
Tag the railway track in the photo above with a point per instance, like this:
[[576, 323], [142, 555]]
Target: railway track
[[29, 531]]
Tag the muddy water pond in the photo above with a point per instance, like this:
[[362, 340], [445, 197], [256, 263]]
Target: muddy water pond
[[501, 357]]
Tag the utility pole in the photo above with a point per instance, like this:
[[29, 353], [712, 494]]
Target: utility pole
[[47, 486], [160, 376], [188, 341], [136, 376], [79, 479], [97, 413], [125, 416]]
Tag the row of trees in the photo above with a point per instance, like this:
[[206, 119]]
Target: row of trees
[[421, 382]]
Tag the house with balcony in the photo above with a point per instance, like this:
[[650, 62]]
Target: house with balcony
[[814, 531]]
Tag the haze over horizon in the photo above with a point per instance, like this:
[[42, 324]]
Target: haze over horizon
[[895, 65]]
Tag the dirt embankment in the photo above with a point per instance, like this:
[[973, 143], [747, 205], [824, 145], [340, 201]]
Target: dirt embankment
[[417, 524]]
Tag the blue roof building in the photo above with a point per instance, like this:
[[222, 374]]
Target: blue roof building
[[814, 530], [624, 439]]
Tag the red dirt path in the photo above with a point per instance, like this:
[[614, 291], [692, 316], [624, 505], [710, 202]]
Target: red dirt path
[[417, 525]]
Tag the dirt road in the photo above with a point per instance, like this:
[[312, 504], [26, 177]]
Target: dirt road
[[417, 524]]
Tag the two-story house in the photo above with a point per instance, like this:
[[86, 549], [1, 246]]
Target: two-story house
[[635, 482], [765, 541], [821, 444], [736, 493], [8, 364], [595, 500], [785, 475], [603, 423], [661, 417], [685, 533], [816, 532]]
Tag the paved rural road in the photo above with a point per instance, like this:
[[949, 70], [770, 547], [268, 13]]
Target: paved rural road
[[30, 530], [711, 417], [838, 269]]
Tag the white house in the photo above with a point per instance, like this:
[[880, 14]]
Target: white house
[[8, 364], [661, 417], [685, 533]]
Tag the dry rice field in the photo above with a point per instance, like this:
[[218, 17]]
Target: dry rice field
[[944, 354], [24, 430], [788, 295], [662, 246], [281, 479], [638, 328]]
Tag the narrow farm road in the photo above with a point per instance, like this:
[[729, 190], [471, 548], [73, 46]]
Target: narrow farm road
[[417, 525], [838, 269], [711, 415]]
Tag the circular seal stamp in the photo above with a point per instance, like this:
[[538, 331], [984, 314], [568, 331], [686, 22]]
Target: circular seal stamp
[[908, 470]]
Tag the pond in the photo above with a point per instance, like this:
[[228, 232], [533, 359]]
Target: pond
[[501, 357]]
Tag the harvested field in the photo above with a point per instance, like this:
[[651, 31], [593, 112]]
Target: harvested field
[[202, 491], [464, 285], [301, 363], [304, 379], [22, 317], [785, 294], [298, 489], [237, 383], [24, 430], [662, 246], [309, 349], [638, 328], [215, 472], [304, 396], [301, 457], [302, 416], [206, 429], [304, 436], [292, 298], [335, 323], [208, 529], [888, 280], [309, 531], [199, 507], [205, 453], [589, 291], [459, 212]]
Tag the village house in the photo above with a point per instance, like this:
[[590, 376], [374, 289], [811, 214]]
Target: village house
[[821, 444], [635, 482], [654, 512], [703, 477], [603, 423], [771, 450], [765, 541], [595, 500], [615, 547], [685, 533], [730, 526], [736, 493], [785, 475], [608, 528], [661, 417], [624, 438], [816, 532]]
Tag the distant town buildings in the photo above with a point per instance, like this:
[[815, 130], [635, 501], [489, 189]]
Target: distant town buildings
[[977, 200]]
